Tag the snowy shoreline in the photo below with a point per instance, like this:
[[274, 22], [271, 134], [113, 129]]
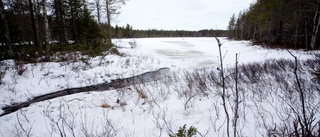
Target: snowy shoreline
[[190, 94]]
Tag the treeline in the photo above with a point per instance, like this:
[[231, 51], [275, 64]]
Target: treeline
[[128, 32], [39, 27], [285, 23], [36, 28], [179, 33]]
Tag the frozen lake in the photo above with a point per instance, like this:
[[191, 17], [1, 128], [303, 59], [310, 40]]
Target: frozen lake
[[203, 52]]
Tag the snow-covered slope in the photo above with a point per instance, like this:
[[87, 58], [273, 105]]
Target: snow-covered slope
[[189, 94]]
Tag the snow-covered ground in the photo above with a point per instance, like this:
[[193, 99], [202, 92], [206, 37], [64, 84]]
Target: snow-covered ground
[[155, 108]]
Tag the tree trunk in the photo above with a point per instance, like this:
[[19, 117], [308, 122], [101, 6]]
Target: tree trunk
[[316, 24], [34, 24], [306, 35], [73, 16], [46, 25], [109, 19], [37, 10], [254, 31], [98, 6], [5, 34], [237, 102], [60, 19], [296, 36], [26, 34]]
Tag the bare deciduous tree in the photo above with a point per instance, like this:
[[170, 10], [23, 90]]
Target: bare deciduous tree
[[223, 95], [236, 109]]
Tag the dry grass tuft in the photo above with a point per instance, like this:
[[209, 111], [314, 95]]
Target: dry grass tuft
[[105, 105], [143, 95]]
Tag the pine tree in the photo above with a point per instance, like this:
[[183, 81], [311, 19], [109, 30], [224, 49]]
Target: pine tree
[[231, 26]]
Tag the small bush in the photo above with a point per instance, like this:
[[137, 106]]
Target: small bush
[[115, 51], [316, 75], [183, 132]]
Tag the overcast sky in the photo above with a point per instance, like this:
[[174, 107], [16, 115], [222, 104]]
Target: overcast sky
[[180, 14]]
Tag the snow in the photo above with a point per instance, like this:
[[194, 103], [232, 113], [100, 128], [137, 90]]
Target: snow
[[203, 52], [151, 109]]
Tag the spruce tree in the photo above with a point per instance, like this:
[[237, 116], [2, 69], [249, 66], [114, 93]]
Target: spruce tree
[[90, 33]]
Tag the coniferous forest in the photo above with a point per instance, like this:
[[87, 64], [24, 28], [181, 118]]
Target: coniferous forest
[[38, 27], [43, 27], [280, 23], [33, 28]]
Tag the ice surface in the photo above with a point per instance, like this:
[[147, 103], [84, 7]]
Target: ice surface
[[203, 52]]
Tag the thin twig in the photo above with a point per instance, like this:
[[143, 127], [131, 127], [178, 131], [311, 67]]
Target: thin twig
[[223, 96]]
